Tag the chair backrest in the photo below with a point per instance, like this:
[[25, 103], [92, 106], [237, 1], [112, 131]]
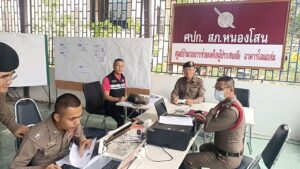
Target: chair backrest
[[27, 112], [243, 95], [94, 98], [271, 152]]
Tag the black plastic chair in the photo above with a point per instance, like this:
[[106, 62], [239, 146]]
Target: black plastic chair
[[243, 95], [27, 113], [271, 151], [92, 132], [94, 100]]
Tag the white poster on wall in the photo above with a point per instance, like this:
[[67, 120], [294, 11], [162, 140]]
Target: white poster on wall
[[90, 59], [31, 49]]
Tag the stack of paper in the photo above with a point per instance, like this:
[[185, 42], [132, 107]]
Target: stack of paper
[[175, 120]]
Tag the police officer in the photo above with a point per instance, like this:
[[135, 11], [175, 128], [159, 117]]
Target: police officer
[[188, 89], [227, 121], [9, 61], [48, 141]]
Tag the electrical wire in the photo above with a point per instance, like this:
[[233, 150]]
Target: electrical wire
[[171, 157], [51, 100], [129, 164]]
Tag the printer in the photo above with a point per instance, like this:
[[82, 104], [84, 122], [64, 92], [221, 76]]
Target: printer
[[171, 136]]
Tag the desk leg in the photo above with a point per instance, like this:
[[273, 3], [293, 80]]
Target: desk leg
[[249, 139]]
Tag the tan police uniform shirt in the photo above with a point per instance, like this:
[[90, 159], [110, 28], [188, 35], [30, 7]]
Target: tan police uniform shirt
[[226, 139], [6, 116], [44, 144], [188, 90]]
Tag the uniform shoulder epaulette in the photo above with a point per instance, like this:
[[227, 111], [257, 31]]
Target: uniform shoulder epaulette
[[240, 114]]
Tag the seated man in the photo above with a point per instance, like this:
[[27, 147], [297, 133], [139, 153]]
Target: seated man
[[227, 120], [49, 140], [114, 88], [189, 89]]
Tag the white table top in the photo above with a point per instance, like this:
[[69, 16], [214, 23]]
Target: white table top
[[152, 100], [205, 106], [156, 153]]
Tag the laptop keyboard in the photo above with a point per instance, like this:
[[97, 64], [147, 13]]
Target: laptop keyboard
[[95, 151], [66, 166], [113, 164]]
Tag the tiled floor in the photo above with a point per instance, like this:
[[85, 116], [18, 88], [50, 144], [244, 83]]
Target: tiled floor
[[289, 157]]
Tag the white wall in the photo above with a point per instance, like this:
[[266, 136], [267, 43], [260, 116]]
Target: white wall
[[38, 93], [272, 104]]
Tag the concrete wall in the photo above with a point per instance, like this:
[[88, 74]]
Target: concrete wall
[[272, 104]]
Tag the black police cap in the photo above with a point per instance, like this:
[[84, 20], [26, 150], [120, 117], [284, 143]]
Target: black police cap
[[9, 59], [189, 64]]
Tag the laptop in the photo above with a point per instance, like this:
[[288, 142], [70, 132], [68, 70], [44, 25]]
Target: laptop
[[104, 162], [110, 160], [161, 109], [107, 161]]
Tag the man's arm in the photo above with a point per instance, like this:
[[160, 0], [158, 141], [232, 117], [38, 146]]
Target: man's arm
[[8, 119], [113, 99], [83, 142], [79, 133], [27, 151], [224, 121], [175, 93]]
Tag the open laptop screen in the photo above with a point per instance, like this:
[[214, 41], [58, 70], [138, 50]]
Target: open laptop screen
[[160, 107]]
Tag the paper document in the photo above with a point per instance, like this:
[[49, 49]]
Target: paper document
[[181, 101], [75, 158], [65, 160], [175, 120]]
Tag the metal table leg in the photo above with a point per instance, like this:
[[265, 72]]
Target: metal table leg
[[249, 139]]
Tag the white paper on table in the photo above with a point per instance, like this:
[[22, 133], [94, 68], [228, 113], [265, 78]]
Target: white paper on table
[[181, 101], [75, 158], [175, 120], [65, 160]]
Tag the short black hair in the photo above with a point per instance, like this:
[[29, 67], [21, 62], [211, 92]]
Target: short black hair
[[227, 79], [65, 101], [118, 60]]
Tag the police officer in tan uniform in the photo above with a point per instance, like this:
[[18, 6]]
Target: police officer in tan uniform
[[188, 89], [48, 141], [227, 121], [9, 61]]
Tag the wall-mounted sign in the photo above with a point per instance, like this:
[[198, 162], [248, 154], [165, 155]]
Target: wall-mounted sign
[[231, 34]]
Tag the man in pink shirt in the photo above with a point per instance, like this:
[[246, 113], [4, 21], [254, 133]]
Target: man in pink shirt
[[114, 89]]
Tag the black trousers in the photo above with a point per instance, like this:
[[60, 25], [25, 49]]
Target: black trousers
[[117, 113]]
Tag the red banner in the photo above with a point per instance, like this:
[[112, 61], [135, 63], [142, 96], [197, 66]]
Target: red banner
[[240, 34]]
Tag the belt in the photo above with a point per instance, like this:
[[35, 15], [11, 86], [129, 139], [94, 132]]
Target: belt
[[229, 153]]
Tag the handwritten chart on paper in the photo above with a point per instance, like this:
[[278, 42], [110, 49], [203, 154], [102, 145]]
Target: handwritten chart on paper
[[90, 59]]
